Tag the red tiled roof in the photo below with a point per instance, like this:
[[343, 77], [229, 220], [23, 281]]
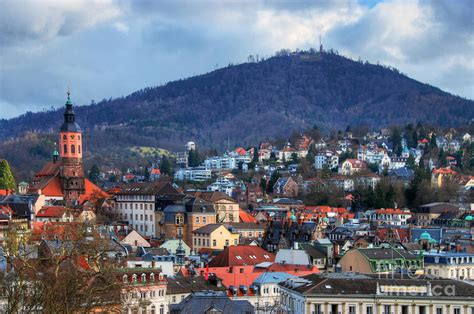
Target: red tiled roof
[[297, 270], [392, 211], [403, 233], [4, 192], [356, 163], [52, 187], [155, 171], [240, 151], [48, 170], [92, 190], [233, 276], [444, 171], [5, 209], [246, 216], [51, 211], [241, 255]]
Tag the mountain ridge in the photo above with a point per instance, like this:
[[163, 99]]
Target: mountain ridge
[[249, 102]]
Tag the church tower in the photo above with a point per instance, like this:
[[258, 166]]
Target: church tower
[[70, 152]]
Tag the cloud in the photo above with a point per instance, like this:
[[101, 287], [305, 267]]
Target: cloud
[[47, 45], [24, 21]]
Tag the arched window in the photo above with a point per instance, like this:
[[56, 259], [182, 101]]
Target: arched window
[[134, 278], [125, 278], [152, 277], [162, 309], [65, 149], [64, 137], [79, 149], [143, 278], [73, 149]]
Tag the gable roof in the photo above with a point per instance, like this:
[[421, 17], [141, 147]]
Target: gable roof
[[208, 229], [241, 255], [212, 196]]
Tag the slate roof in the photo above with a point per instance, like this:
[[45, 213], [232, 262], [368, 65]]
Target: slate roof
[[180, 284], [148, 188], [294, 257], [202, 302], [274, 277], [312, 251], [212, 196], [355, 284], [207, 229], [378, 253]]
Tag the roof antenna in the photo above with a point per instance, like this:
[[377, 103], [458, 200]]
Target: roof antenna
[[320, 45]]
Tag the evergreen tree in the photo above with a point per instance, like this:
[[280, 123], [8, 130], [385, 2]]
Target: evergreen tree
[[255, 155], [7, 181], [165, 166], [414, 139], [94, 174], [263, 185], [193, 158], [411, 162], [442, 162], [147, 174], [273, 179], [396, 140], [432, 145]]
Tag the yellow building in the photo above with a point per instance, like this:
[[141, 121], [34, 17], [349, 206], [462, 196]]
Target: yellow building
[[213, 236]]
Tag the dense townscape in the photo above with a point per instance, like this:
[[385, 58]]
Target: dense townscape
[[356, 221]]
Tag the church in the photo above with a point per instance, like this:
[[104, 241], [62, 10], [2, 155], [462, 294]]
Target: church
[[63, 178]]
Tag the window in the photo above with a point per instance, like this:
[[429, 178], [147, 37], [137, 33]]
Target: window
[[439, 310], [227, 242], [197, 219], [369, 309], [143, 278], [214, 243], [207, 242], [73, 149], [173, 299], [235, 241], [162, 309], [231, 217], [199, 242], [352, 309], [317, 309], [386, 309], [238, 257], [404, 309], [125, 279], [203, 220], [422, 309], [65, 149], [179, 219], [196, 241], [141, 216], [457, 310], [79, 149], [179, 231], [64, 137]]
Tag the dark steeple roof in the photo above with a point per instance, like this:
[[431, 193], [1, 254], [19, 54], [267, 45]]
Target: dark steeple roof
[[69, 124]]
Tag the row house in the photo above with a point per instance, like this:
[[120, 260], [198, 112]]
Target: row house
[[136, 204], [197, 174], [372, 154], [226, 208], [223, 185], [214, 237], [326, 159], [144, 290], [362, 294], [179, 218], [389, 216]]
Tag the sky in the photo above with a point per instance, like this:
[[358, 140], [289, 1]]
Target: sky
[[107, 49]]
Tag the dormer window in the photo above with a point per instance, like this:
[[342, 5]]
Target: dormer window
[[152, 277]]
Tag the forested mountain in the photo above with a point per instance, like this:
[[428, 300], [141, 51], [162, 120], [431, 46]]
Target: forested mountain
[[243, 104]]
